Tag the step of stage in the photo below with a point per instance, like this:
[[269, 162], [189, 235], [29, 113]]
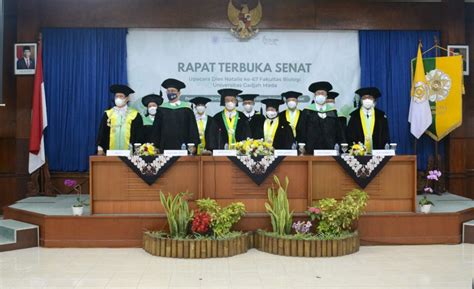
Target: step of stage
[[17, 235]]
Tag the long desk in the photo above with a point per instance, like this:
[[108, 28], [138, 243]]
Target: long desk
[[116, 189]]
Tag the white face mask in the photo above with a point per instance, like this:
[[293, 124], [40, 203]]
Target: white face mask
[[230, 105], [291, 104], [152, 110], [271, 114], [119, 102], [320, 99], [248, 107], [200, 109], [367, 103]]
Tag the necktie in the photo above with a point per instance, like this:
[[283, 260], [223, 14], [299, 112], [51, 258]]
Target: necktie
[[27, 63]]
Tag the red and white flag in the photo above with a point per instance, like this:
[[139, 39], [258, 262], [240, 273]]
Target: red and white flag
[[39, 119]]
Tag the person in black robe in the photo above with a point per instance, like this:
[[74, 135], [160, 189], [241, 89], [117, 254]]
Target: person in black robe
[[355, 131], [276, 129], [292, 114], [331, 102], [151, 102], [175, 124], [206, 126], [255, 118], [114, 123], [232, 125], [322, 128]]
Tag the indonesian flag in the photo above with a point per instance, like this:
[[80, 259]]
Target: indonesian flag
[[39, 119]]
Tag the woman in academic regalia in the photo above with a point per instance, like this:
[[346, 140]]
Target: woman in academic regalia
[[206, 126], [368, 124], [121, 125], [151, 102], [232, 125], [255, 118], [276, 129]]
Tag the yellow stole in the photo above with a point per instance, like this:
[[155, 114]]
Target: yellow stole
[[368, 131], [269, 130], [202, 135], [293, 121], [120, 129]]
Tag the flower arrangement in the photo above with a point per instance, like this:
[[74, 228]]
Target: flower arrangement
[[432, 177], [147, 149], [302, 227], [254, 147], [358, 149], [201, 223], [314, 213], [74, 185], [424, 201]]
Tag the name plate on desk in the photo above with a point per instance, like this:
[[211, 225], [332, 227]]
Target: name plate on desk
[[118, 153], [224, 153], [286, 153], [325, 153], [383, 152], [175, 153]]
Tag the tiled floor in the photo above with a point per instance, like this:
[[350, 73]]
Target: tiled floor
[[439, 266]]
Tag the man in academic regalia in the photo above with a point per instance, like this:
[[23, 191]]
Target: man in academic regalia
[[254, 117], [151, 102], [276, 129], [322, 127], [331, 103], [206, 126], [292, 114], [120, 125], [232, 125], [368, 124], [175, 123]]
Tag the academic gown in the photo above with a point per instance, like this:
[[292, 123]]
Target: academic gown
[[210, 133], [299, 125], [380, 136], [283, 136], [103, 137], [174, 127], [242, 131], [322, 133], [147, 129], [255, 122]]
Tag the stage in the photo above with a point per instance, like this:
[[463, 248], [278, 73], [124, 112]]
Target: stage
[[58, 228]]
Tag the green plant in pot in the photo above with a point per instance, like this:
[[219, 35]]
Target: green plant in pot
[[78, 207], [222, 219], [425, 205], [278, 207], [178, 213]]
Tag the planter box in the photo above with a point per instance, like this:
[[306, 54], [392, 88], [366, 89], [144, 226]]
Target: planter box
[[306, 248], [191, 248]]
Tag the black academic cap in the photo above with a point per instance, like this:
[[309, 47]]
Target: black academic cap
[[332, 95], [291, 94], [248, 96], [26, 48], [120, 88], [228, 92], [158, 99], [171, 82], [320, 85], [200, 100], [273, 102], [373, 91]]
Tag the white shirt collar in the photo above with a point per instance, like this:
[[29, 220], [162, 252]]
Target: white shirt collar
[[122, 110], [200, 116], [177, 103], [249, 114], [320, 107], [368, 112], [231, 114]]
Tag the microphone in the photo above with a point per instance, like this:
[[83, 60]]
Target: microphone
[[219, 139]]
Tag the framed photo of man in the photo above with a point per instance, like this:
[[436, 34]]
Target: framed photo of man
[[461, 50], [25, 58]]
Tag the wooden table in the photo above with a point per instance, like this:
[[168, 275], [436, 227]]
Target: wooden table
[[116, 189]]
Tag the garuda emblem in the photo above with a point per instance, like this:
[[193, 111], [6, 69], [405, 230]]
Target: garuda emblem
[[244, 17]]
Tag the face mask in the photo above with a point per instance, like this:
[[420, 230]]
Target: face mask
[[230, 105], [200, 109], [367, 103], [271, 114], [291, 104], [248, 107], [320, 99], [152, 110], [119, 102], [171, 96]]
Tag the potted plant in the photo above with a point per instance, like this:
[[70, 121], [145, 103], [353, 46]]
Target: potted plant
[[201, 233], [78, 207], [425, 205], [328, 231]]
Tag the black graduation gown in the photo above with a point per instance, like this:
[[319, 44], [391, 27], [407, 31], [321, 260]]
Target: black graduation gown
[[380, 136], [136, 132], [322, 133], [147, 132], [210, 134], [256, 121], [242, 131], [174, 127], [283, 136], [299, 125]]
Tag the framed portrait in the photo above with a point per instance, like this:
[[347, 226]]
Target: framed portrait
[[25, 58], [461, 50]]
